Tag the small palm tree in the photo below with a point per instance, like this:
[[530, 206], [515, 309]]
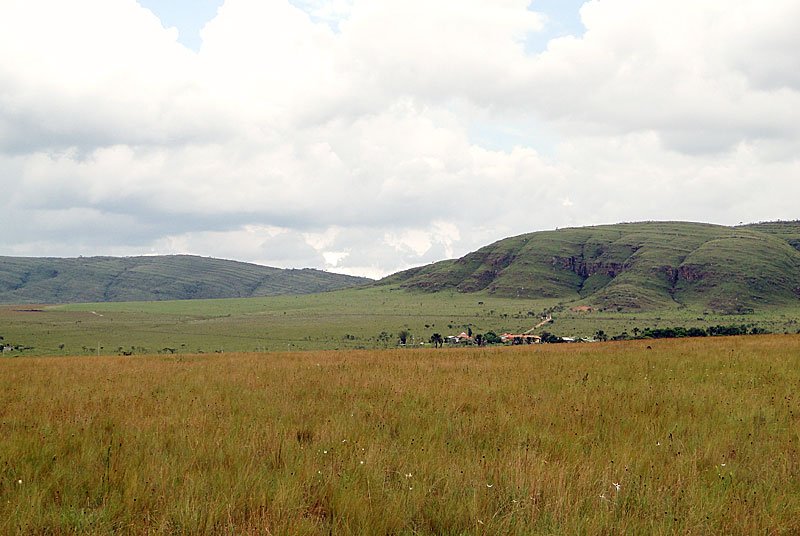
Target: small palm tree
[[403, 336]]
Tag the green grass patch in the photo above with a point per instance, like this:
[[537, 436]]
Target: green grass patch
[[347, 319]]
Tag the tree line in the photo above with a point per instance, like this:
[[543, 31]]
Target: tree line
[[681, 332]]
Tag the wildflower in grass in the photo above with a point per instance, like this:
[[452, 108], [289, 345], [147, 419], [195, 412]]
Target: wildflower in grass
[[362, 462], [19, 481], [489, 485], [616, 485], [408, 475]]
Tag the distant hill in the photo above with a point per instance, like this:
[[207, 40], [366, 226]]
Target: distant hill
[[172, 277], [632, 266]]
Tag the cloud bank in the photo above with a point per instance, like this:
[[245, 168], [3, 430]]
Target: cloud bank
[[367, 136]]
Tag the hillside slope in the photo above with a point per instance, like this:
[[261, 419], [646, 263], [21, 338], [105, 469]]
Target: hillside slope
[[787, 230], [173, 277], [630, 266]]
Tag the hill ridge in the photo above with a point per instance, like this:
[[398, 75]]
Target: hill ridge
[[153, 278], [631, 266]]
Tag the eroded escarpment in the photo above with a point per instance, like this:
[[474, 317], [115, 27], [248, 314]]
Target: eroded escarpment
[[586, 269]]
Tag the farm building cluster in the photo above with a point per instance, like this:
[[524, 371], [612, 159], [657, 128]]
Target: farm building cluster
[[507, 338]]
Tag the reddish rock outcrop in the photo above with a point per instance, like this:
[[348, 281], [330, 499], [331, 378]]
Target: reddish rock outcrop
[[585, 269]]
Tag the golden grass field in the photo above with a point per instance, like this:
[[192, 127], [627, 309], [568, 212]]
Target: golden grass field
[[692, 436]]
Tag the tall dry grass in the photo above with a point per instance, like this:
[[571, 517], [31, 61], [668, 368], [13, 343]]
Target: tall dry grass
[[691, 436]]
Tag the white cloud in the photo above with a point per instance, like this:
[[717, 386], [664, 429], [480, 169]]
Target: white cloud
[[372, 135], [439, 50], [92, 73], [333, 258], [411, 241], [322, 240], [668, 68]]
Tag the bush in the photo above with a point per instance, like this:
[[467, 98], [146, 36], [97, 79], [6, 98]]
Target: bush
[[490, 337]]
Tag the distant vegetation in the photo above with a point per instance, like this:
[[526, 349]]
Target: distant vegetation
[[682, 332], [153, 278], [688, 437], [632, 267]]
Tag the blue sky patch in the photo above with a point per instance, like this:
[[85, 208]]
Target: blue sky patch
[[563, 18], [188, 16]]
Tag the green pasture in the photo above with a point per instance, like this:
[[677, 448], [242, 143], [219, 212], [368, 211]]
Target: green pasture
[[347, 319]]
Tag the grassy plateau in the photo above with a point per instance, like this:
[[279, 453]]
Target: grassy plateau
[[692, 436]]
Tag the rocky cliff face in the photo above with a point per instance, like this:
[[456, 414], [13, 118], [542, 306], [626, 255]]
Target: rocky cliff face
[[578, 265], [690, 273], [586, 269]]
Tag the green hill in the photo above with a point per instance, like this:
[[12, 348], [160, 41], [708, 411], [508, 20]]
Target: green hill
[[787, 230], [632, 266], [173, 277]]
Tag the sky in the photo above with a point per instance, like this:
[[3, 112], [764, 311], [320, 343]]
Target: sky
[[369, 136]]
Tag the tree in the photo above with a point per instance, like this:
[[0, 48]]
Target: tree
[[437, 341], [490, 337], [600, 335], [403, 336], [696, 332], [550, 338], [384, 338]]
